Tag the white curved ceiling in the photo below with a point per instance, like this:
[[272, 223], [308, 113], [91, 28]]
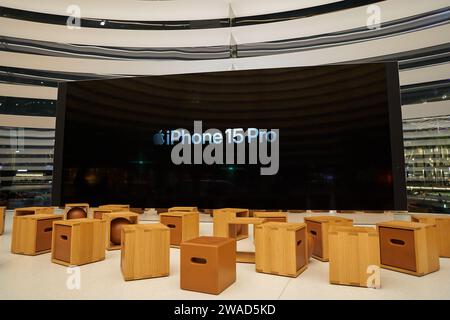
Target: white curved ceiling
[[174, 10], [21, 91], [114, 37], [343, 53], [8, 120], [333, 22], [315, 25]]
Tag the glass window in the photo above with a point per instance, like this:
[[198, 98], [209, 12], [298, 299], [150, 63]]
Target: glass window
[[26, 166], [427, 163]]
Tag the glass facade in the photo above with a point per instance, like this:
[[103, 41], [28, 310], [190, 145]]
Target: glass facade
[[27, 106], [427, 163], [26, 166], [426, 92]]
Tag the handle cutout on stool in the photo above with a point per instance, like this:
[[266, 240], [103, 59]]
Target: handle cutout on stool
[[49, 229], [397, 242], [64, 237], [299, 242], [314, 233], [198, 260], [171, 226]]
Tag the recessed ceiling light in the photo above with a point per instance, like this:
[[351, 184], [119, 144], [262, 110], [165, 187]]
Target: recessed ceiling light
[[102, 23]]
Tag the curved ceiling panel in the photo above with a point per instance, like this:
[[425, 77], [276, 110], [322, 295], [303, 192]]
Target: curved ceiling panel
[[420, 75], [293, 29], [7, 120], [64, 20], [132, 10], [20, 91], [246, 8], [426, 110], [334, 22], [175, 10], [344, 53], [229, 18], [114, 37]]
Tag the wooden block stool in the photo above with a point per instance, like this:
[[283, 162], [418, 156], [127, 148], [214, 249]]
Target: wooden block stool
[[353, 252], [2, 219], [409, 247], [318, 227], [145, 251], [234, 225], [183, 226], [98, 213], [33, 210], [32, 234], [114, 223], [76, 211], [271, 216], [281, 248], [221, 218], [442, 222], [115, 207], [251, 212], [78, 241], [208, 264], [183, 209]]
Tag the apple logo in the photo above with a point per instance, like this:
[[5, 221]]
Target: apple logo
[[158, 138]]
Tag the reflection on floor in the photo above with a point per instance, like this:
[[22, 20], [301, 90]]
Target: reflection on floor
[[25, 277]]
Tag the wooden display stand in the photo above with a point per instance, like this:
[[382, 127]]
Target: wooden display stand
[[183, 209], [145, 251], [78, 241], [33, 210], [133, 218], [442, 222], [208, 264], [352, 251], [281, 248], [236, 224], [70, 206], [409, 247], [318, 227], [32, 234], [2, 219], [183, 226], [221, 218]]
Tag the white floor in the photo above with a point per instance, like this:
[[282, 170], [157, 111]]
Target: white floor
[[25, 277]]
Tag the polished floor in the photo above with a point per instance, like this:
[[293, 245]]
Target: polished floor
[[25, 277]]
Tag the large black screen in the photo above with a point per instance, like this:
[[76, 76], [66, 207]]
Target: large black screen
[[339, 139]]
